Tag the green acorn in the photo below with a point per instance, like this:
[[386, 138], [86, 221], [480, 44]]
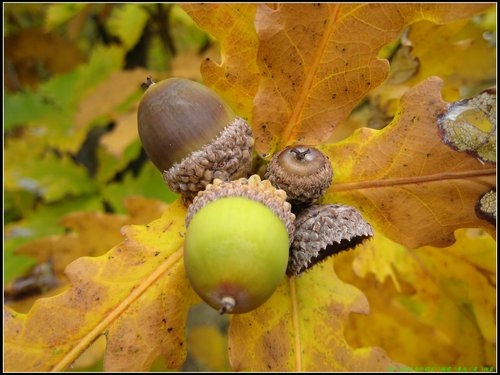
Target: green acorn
[[237, 243]]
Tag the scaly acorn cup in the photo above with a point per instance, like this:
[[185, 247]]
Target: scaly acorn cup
[[325, 230], [237, 243], [192, 136], [303, 172]]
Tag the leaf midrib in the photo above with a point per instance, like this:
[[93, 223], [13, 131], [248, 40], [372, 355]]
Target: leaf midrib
[[83, 344], [288, 130]]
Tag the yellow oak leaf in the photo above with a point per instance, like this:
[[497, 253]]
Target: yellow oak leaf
[[90, 233], [152, 326], [408, 183], [439, 308], [288, 332], [138, 286], [236, 78]]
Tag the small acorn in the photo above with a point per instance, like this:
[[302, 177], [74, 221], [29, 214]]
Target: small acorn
[[325, 230], [192, 136], [237, 243], [303, 172]]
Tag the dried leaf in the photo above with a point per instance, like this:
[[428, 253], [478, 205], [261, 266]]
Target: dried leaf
[[409, 184], [152, 326], [288, 332], [109, 293]]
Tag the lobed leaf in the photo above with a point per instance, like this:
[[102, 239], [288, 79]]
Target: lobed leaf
[[315, 61], [111, 294], [319, 60], [288, 333], [410, 185], [438, 306], [236, 78], [465, 62]]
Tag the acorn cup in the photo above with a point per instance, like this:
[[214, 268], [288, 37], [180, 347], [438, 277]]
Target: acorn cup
[[325, 230], [302, 171], [192, 136]]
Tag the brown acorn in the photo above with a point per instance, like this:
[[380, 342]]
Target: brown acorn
[[324, 230], [192, 136], [303, 172]]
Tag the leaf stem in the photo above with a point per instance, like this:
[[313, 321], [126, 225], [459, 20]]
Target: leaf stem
[[295, 322], [85, 342], [343, 186]]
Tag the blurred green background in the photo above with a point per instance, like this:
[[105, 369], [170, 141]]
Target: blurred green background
[[72, 156]]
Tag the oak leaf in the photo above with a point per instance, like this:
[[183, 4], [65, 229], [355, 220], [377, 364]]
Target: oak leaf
[[427, 295], [317, 61], [288, 333], [137, 294], [412, 186], [36, 224], [236, 78], [45, 174], [127, 22], [90, 233], [464, 57], [465, 62], [137, 289], [105, 97]]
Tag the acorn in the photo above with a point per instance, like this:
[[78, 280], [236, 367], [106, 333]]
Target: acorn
[[237, 243], [325, 230], [302, 171], [192, 136]]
